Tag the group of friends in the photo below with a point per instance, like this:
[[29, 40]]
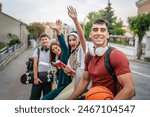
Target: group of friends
[[74, 53]]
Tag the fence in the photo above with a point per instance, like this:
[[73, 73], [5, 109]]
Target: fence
[[123, 40], [7, 51]]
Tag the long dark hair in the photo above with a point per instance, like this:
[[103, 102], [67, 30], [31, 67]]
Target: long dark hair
[[53, 56]]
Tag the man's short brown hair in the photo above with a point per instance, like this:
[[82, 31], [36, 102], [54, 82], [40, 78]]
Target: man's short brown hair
[[43, 35], [101, 21]]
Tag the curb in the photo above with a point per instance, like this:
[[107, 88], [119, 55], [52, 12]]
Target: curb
[[141, 61]]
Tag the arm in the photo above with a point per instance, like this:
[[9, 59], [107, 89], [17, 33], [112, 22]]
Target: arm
[[124, 76], [35, 70], [63, 45], [73, 15], [81, 86], [127, 92]]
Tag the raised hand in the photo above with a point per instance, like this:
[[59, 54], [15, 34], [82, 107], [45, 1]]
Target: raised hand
[[55, 26], [59, 23], [72, 12], [73, 15]]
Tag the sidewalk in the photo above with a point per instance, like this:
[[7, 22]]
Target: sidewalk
[[134, 58], [10, 86]]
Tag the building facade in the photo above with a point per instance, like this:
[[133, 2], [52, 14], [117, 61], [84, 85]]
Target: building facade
[[11, 27], [143, 6]]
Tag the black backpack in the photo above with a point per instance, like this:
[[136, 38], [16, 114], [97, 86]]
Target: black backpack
[[30, 61], [108, 66]]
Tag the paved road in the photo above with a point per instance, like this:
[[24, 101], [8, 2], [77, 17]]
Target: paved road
[[12, 89], [141, 77], [10, 86]]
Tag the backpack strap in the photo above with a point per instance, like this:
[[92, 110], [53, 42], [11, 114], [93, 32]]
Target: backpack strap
[[88, 59], [110, 68], [38, 53]]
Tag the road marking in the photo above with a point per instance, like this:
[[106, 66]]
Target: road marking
[[134, 66], [141, 74]]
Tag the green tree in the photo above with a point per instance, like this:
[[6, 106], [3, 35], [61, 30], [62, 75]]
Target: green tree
[[139, 25], [91, 17], [35, 29], [107, 14], [118, 28]]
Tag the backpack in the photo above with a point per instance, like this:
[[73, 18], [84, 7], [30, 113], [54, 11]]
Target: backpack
[[108, 66], [30, 61]]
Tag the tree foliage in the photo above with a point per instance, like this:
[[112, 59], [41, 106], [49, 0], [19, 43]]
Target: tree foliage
[[118, 28], [35, 29], [139, 25], [92, 16], [107, 14]]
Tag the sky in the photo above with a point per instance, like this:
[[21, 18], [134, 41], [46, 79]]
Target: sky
[[29, 11]]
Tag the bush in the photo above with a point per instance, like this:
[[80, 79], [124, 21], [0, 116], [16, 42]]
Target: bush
[[18, 41], [2, 45], [14, 41]]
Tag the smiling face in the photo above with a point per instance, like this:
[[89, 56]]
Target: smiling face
[[44, 40], [99, 33], [56, 49], [73, 42]]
